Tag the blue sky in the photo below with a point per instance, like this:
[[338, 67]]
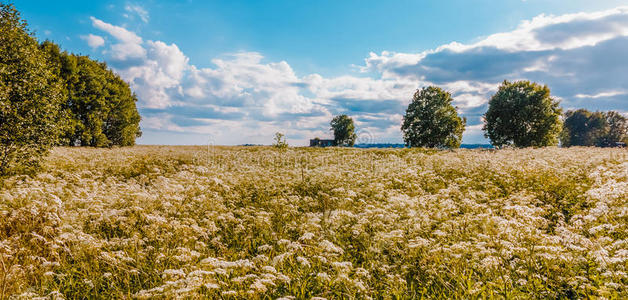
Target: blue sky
[[235, 72]]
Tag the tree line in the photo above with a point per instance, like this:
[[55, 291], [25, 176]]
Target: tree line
[[520, 114], [49, 97]]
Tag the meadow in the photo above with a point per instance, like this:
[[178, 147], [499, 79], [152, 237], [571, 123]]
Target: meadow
[[300, 223]]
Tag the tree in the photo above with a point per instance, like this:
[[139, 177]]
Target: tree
[[122, 123], [585, 128], [616, 129], [522, 114], [30, 97], [432, 121], [100, 104], [280, 141], [344, 130], [582, 128]]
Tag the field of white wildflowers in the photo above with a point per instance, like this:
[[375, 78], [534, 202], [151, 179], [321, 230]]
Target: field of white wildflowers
[[260, 223]]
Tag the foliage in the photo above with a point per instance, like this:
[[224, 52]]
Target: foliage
[[585, 128], [257, 223], [432, 121], [280, 141], [30, 97], [582, 128], [616, 129], [49, 97], [523, 114], [344, 130], [100, 104]]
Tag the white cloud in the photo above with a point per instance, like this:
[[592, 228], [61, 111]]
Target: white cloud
[[161, 122], [602, 94], [549, 32], [119, 33], [138, 10], [542, 33], [129, 44], [158, 75], [243, 98], [93, 41]]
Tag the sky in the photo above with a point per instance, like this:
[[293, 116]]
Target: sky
[[235, 72]]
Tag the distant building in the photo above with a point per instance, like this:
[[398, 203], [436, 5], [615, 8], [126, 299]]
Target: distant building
[[322, 143]]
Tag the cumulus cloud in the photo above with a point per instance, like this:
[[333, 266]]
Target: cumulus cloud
[[243, 98], [93, 41], [128, 46]]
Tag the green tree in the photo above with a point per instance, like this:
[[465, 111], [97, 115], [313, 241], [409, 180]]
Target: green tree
[[585, 128], [344, 130], [122, 123], [582, 128], [616, 129], [280, 141], [100, 104], [432, 121], [30, 97], [522, 114]]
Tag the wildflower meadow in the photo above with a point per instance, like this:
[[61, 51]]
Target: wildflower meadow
[[300, 223]]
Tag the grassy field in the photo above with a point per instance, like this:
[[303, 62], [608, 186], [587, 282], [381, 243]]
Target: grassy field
[[260, 223]]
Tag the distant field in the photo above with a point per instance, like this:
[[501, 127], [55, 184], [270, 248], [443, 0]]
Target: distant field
[[255, 222]]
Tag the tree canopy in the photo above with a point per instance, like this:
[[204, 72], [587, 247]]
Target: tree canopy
[[523, 114], [344, 130], [99, 103], [30, 96], [616, 129], [432, 121], [582, 128], [585, 128]]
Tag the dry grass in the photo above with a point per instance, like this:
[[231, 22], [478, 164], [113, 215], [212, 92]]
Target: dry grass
[[257, 222]]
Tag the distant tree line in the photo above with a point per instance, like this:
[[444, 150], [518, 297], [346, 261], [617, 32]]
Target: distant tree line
[[50, 97], [520, 114]]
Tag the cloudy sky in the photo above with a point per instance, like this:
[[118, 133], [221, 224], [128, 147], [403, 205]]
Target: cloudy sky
[[235, 72]]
